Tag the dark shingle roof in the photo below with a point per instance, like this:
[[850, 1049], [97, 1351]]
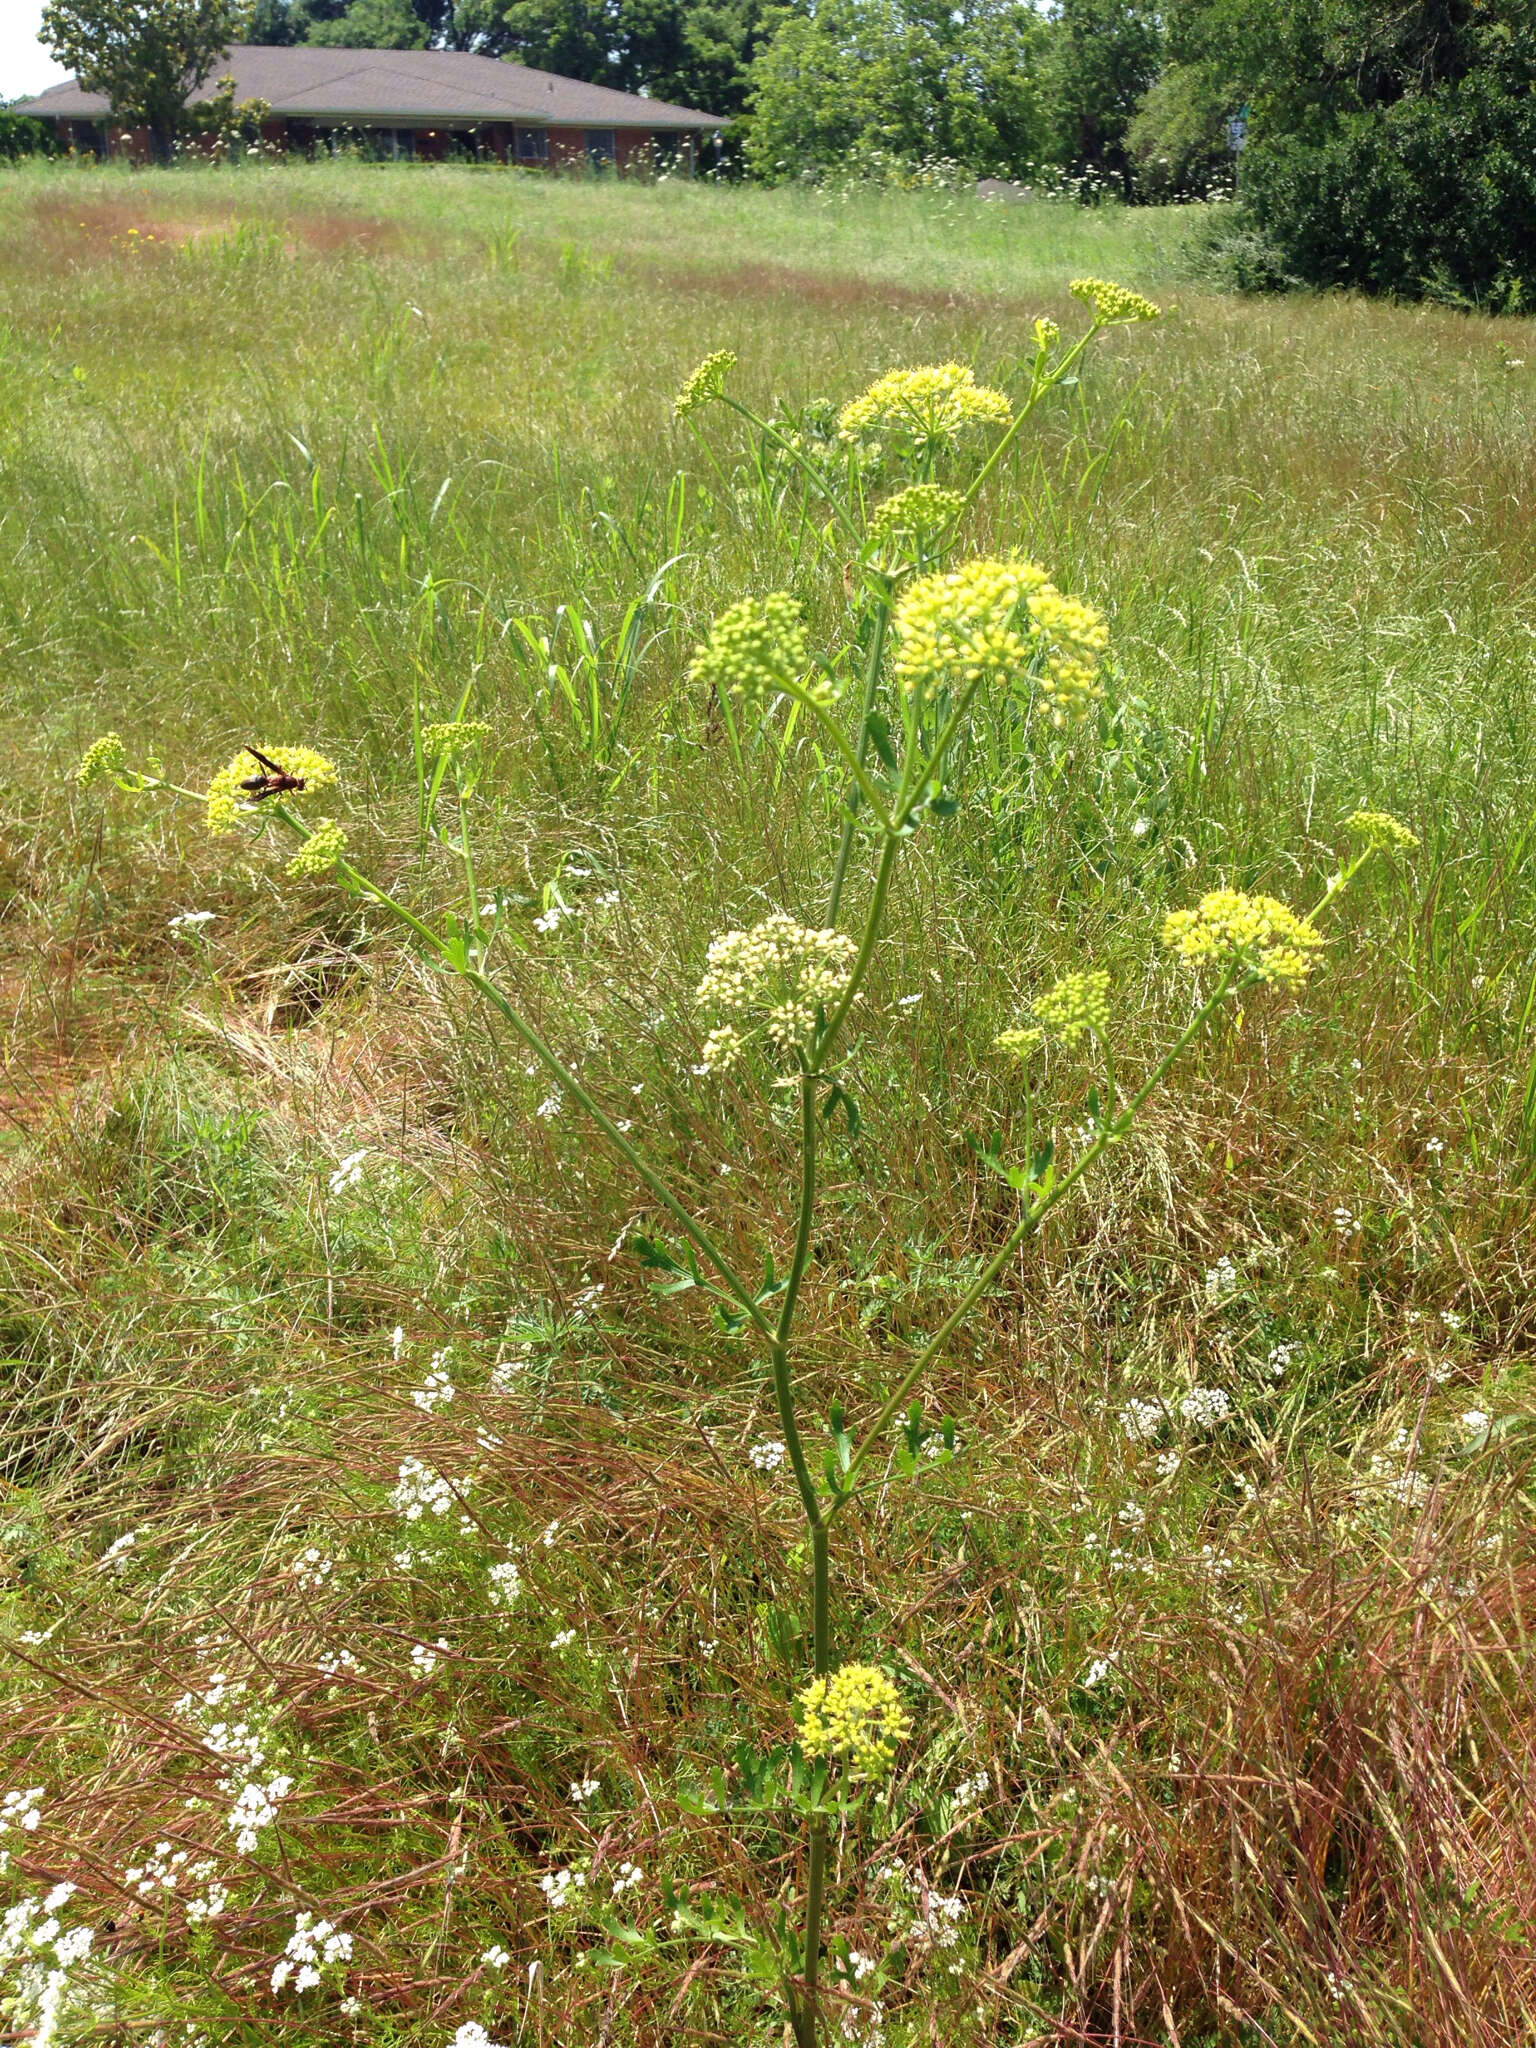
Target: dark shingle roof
[[401, 86]]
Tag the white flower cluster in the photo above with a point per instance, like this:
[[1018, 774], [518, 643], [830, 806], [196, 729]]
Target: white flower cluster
[[1220, 1281], [1141, 1420], [334, 1662], [1205, 1407], [473, 2035], [256, 1808], [314, 1947], [630, 1874], [1167, 1463], [971, 1791], [1475, 1421], [1281, 1359], [1100, 1669], [506, 1584], [424, 1656], [438, 1388], [311, 1568], [583, 1791], [118, 1555], [166, 1869], [32, 1935], [766, 1457], [1391, 1469], [778, 975], [420, 1491], [496, 1957], [22, 1809], [557, 1886], [349, 1173]]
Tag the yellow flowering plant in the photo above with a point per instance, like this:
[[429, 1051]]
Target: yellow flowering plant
[[927, 639]]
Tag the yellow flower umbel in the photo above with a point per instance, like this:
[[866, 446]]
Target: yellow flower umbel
[[228, 803], [1383, 832], [857, 1715], [103, 759], [1078, 1003], [455, 736], [772, 979], [921, 514], [1113, 304], [934, 404], [988, 621], [705, 383], [755, 648], [1265, 935], [320, 851]]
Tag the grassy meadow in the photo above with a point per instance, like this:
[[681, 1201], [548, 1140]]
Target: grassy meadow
[[1223, 1727]]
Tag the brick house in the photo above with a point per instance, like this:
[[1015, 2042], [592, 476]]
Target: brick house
[[414, 103]]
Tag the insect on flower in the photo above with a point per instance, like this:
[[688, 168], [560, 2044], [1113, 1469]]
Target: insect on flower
[[272, 780]]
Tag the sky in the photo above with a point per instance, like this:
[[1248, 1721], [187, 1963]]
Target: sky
[[25, 66]]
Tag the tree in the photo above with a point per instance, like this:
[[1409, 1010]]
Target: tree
[[1105, 55], [1178, 140], [372, 25], [147, 56], [847, 80]]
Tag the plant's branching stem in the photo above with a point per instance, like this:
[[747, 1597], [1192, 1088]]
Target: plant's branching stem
[[827, 1037], [872, 669], [1037, 392], [782, 441], [1028, 1223]]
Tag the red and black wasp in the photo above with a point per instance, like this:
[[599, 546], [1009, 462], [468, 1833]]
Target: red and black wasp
[[272, 781]]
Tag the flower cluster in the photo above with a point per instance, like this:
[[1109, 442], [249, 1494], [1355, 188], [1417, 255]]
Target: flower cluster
[[454, 736], [1113, 304], [320, 851], [754, 648], [102, 759], [506, 1584], [22, 1809], [421, 1491], [1265, 935], [856, 1714], [256, 1808], [32, 1936], [934, 404], [312, 1568], [1379, 829], [1142, 1420], [1205, 1407], [704, 383], [227, 799], [437, 1390], [996, 621], [920, 513], [471, 2034], [1078, 1003], [778, 975], [314, 1947], [766, 1457], [557, 1886]]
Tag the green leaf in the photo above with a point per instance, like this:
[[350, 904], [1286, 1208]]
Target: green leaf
[[880, 740]]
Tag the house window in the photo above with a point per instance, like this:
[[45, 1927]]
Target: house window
[[532, 145], [600, 147]]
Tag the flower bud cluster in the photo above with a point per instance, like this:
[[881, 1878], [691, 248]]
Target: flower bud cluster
[[994, 620], [1378, 829], [919, 513], [103, 759], [228, 802], [1228, 925], [455, 736], [774, 977], [855, 1714], [1113, 304], [320, 851], [934, 403], [1077, 1004], [754, 648], [705, 383]]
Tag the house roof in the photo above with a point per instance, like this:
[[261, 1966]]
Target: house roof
[[402, 86]]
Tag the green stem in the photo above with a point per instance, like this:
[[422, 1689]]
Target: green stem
[[827, 1036], [795, 455], [1037, 392], [866, 712]]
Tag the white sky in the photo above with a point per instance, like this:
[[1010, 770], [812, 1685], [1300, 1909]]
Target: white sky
[[25, 66]]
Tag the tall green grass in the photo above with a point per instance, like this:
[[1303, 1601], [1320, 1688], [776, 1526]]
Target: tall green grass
[[341, 449]]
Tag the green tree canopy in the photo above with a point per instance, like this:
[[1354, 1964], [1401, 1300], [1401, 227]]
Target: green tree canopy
[[372, 25], [147, 56], [851, 80]]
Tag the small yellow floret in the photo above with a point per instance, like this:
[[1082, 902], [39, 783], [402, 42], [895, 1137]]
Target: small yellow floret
[[855, 1714], [1113, 304], [921, 512], [103, 759], [933, 403], [1226, 925], [228, 803], [705, 383], [320, 851], [1381, 830]]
